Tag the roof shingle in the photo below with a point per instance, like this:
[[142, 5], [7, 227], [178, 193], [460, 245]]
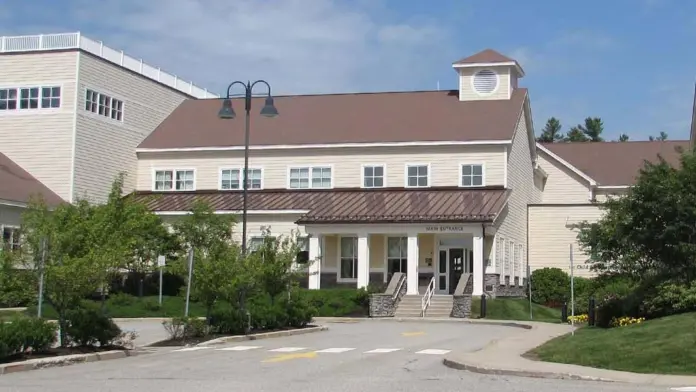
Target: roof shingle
[[342, 118], [616, 163], [486, 56], [350, 205], [17, 185]]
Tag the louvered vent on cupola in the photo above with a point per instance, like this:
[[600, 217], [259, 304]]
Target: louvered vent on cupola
[[485, 82]]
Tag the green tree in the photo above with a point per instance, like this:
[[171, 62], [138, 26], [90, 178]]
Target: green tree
[[575, 135], [650, 232], [276, 257], [662, 137], [623, 137], [216, 257], [593, 128], [551, 132]]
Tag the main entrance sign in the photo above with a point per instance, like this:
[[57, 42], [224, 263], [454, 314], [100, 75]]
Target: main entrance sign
[[444, 229]]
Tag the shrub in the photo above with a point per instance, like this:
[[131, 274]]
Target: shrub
[[122, 299], [17, 288], [338, 302], [24, 334], [88, 326], [671, 298], [616, 308], [184, 328], [228, 321], [299, 311], [550, 286], [578, 319]]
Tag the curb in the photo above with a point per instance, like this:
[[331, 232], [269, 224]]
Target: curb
[[65, 360], [502, 323], [520, 373], [12, 309], [126, 319], [264, 335]]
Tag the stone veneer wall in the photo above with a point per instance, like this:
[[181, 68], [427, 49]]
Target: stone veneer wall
[[385, 304], [494, 288], [461, 300]]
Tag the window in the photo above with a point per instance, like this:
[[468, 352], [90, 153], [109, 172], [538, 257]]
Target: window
[[181, 180], [50, 97], [397, 255], [302, 250], [417, 176], [256, 242], [349, 258], [373, 176], [472, 175], [10, 238], [27, 98], [299, 177], [104, 105], [231, 179], [8, 99]]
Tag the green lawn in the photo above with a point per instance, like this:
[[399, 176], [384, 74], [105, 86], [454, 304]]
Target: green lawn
[[514, 309], [665, 346]]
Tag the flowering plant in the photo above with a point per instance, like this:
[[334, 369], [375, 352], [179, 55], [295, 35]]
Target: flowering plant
[[624, 321], [577, 319]]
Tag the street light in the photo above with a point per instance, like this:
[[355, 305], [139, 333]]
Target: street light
[[227, 113]]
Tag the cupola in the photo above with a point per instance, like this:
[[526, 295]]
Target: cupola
[[487, 75]]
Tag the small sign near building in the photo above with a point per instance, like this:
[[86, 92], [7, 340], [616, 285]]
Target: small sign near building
[[160, 261], [444, 229]]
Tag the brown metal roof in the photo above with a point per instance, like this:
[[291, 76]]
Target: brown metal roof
[[342, 118], [17, 185], [616, 163], [395, 205], [485, 56]]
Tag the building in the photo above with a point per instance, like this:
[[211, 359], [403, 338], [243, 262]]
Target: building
[[72, 111], [438, 185]]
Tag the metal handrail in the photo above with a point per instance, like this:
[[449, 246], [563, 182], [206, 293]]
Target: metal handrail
[[398, 288], [425, 301]]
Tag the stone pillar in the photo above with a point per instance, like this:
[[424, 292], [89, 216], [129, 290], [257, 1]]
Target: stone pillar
[[412, 264], [363, 260], [314, 262], [479, 263]]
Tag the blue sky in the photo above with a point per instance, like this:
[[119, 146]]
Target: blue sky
[[630, 62]]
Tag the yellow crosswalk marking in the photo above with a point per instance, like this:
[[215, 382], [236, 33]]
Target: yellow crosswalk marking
[[419, 333], [287, 357]]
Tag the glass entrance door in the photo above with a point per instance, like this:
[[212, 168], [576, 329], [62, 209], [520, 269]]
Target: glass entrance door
[[442, 273], [457, 267]]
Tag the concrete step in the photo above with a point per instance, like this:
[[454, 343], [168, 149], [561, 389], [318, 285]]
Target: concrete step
[[411, 305]]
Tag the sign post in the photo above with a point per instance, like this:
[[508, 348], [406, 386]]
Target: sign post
[[188, 283], [160, 265], [572, 292]]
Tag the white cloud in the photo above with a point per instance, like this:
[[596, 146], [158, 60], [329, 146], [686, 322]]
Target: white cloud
[[299, 46]]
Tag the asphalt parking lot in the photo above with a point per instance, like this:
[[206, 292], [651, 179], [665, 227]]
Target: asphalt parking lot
[[364, 356]]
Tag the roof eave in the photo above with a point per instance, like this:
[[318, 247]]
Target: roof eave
[[513, 64]]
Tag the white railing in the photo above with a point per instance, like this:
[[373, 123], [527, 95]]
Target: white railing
[[31, 43], [398, 288], [425, 301]]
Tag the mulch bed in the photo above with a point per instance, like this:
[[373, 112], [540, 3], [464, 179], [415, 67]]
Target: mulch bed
[[197, 340], [57, 352]]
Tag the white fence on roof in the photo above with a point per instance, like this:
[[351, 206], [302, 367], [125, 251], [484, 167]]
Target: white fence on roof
[[31, 43]]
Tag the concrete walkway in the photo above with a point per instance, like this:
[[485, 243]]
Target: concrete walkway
[[504, 357], [149, 330]]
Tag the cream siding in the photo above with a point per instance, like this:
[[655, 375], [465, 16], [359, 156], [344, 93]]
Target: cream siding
[[550, 236], [513, 224], [41, 140], [505, 82], [562, 185], [104, 147], [346, 164], [602, 195]]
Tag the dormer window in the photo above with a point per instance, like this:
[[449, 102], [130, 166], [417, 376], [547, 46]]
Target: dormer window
[[485, 82]]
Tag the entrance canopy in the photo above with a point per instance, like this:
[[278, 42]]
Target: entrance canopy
[[332, 206]]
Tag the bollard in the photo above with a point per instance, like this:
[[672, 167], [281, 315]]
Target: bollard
[[564, 313], [483, 306], [591, 313]]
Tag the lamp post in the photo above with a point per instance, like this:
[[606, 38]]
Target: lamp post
[[227, 113]]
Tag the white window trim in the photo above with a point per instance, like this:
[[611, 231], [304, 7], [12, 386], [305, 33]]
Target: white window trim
[[109, 94], [310, 167], [173, 170], [362, 175], [11, 227], [241, 170], [386, 250], [339, 279], [497, 82], [412, 164], [461, 174], [39, 110]]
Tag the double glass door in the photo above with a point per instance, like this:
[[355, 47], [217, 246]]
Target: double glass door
[[451, 264]]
